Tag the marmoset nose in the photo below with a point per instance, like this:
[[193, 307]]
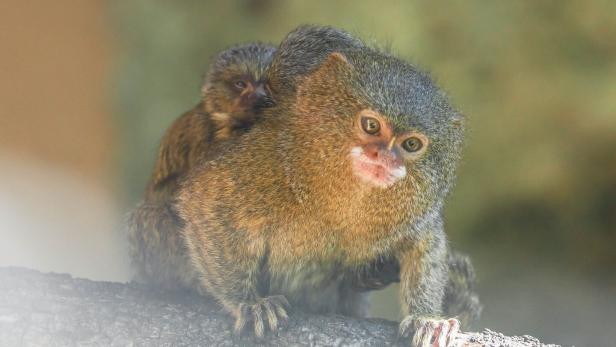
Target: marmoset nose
[[263, 97], [380, 153], [260, 91]]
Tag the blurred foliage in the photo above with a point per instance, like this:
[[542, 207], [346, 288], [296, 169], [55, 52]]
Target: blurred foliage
[[537, 81]]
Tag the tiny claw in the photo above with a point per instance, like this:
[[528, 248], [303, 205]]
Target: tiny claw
[[418, 337], [282, 314], [427, 337], [406, 327], [282, 300], [281, 305], [442, 334], [454, 329], [271, 309], [242, 318], [270, 312], [257, 313]]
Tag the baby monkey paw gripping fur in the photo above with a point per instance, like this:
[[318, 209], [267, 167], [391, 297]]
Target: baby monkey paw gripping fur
[[335, 189]]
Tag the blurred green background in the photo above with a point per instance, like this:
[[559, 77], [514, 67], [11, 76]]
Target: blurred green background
[[535, 203]]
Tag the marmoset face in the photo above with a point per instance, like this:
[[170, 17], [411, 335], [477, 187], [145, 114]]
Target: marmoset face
[[381, 155]]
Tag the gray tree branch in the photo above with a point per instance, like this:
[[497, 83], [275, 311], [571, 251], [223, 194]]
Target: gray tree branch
[[39, 309]]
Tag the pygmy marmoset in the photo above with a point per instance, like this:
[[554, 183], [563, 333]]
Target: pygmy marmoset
[[349, 169]]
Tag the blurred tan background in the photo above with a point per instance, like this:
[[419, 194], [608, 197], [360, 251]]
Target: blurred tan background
[[59, 207], [88, 88]]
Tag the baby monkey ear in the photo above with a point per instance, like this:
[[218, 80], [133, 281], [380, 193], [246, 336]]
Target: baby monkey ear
[[205, 88]]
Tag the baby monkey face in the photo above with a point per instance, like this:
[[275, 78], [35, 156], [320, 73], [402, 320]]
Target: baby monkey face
[[381, 155], [248, 93]]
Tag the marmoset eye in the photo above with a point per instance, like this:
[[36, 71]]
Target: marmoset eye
[[240, 84], [370, 125], [412, 144]]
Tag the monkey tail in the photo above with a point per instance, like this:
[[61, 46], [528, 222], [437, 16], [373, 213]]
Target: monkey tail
[[461, 299], [156, 248]]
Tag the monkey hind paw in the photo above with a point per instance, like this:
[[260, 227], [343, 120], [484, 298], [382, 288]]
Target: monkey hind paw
[[271, 310], [429, 332]]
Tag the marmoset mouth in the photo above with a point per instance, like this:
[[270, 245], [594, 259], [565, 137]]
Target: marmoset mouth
[[376, 173]]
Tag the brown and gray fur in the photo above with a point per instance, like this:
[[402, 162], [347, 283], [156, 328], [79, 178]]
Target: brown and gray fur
[[157, 251], [287, 219]]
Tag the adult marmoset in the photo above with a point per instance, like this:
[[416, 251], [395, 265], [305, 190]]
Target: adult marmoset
[[234, 91], [349, 170]]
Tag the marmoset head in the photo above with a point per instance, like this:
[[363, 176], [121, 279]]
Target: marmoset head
[[371, 123], [236, 85]]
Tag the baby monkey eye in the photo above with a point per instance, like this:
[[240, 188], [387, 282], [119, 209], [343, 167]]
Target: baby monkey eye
[[412, 144], [240, 84], [370, 125]]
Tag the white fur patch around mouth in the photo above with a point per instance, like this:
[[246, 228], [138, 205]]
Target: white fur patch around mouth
[[356, 151], [373, 172]]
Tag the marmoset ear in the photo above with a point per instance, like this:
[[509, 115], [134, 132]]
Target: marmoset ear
[[329, 85], [336, 58], [334, 66]]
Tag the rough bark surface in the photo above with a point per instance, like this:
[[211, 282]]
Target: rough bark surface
[[39, 309]]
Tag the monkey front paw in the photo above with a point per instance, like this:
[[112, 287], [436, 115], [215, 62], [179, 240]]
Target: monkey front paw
[[272, 309], [428, 332]]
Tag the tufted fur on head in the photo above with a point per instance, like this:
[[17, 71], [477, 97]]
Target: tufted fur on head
[[303, 50]]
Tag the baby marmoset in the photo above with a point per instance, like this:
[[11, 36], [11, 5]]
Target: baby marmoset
[[349, 169], [234, 91]]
